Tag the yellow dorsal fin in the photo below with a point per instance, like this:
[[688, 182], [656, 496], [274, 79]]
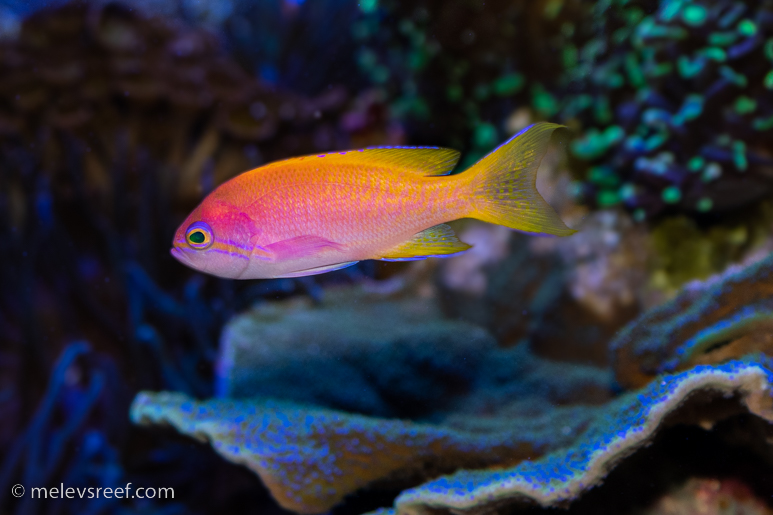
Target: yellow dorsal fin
[[437, 241], [424, 161]]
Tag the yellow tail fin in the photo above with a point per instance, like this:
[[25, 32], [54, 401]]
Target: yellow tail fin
[[504, 184]]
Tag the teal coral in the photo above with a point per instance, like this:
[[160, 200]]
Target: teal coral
[[673, 95], [619, 428]]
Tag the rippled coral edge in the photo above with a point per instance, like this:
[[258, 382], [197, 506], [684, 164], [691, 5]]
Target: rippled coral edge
[[624, 426]]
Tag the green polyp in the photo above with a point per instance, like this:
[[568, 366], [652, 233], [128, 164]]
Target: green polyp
[[592, 145], [711, 172], [768, 81], [662, 69], [696, 163], [508, 84], [692, 107], [614, 134], [368, 6], [745, 105], [655, 141], [690, 68], [671, 195], [417, 60], [639, 215], [627, 191], [694, 15], [485, 135], [769, 49], [763, 124], [620, 35], [715, 54], [722, 38], [670, 10], [736, 78], [615, 80], [607, 198], [543, 101], [602, 110], [747, 27], [603, 176], [634, 71], [739, 155], [704, 204]]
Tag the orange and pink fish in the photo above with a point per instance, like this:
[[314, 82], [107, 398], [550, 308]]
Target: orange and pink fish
[[314, 214]]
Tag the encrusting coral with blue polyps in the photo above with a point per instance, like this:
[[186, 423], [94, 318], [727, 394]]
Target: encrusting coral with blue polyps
[[617, 430], [310, 458], [727, 315]]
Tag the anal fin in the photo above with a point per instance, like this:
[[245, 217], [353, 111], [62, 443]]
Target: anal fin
[[437, 241], [318, 270]]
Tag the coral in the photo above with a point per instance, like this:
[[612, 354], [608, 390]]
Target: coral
[[726, 316], [311, 458], [675, 104], [619, 428]]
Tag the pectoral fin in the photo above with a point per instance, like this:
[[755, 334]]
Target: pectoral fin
[[318, 270], [300, 247], [437, 241]]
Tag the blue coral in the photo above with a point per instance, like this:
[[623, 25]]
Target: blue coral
[[618, 429], [704, 314]]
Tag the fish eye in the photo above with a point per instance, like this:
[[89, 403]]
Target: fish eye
[[199, 236]]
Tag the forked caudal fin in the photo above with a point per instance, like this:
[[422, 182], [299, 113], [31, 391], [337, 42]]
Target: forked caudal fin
[[504, 184]]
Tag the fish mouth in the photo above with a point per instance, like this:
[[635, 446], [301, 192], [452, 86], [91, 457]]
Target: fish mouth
[[180, 256]]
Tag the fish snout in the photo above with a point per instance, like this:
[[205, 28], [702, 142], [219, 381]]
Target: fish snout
[[181, 256]]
